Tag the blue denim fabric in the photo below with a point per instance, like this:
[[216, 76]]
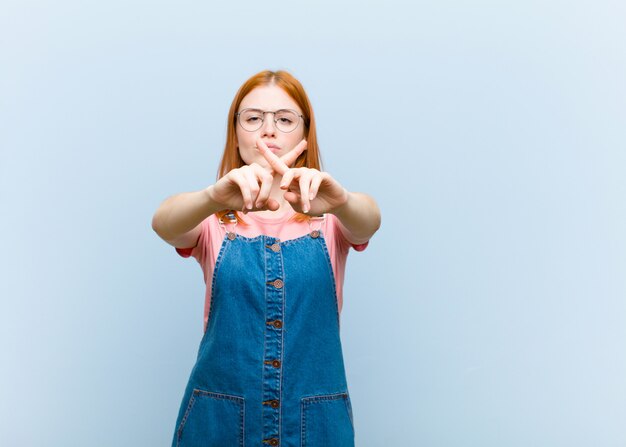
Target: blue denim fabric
[[270, 367]]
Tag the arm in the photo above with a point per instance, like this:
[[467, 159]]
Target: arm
[[177, 220], [359, 216], [311, 191]]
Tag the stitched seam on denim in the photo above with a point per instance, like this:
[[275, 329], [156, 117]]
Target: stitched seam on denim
[[286, 241], [265, 335], [349, 411], [282, 343], [296, 239], [323, 398], [192, 399], [260, 236], [216, 395], [239, 400], [329, 265], [218, 264], [302, 423], [242, 415]]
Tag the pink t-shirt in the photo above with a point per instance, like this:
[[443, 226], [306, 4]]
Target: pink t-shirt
[[213, 232]]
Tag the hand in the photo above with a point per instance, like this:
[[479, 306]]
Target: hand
[[248, 188], [307, 189]]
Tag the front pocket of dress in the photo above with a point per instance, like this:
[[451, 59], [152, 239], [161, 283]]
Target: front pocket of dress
[[212, 420], [327, 421]]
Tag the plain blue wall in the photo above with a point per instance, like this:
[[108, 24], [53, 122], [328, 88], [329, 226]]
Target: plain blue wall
[[489, 310]]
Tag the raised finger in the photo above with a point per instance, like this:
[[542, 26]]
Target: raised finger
[[275, 162], [287, 178], [290, 157], [253, 185], [240, 181], [266, 186], [305, 183], [315, 185]]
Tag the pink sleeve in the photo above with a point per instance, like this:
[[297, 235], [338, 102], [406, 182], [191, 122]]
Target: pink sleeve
[[201, 248], [338, 248], [342, 239]]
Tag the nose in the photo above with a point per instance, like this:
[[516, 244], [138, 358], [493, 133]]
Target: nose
[[268, 128]]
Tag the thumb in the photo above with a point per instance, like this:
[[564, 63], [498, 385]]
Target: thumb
[[271, 205]]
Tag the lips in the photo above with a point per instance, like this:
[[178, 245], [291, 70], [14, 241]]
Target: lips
[[272, 147]]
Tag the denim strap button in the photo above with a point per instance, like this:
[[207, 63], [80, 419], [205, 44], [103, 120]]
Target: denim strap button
[[277, 283], [272, 403], [276, 323]]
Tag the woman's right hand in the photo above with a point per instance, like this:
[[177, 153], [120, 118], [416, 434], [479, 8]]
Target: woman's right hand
[[246, 188]]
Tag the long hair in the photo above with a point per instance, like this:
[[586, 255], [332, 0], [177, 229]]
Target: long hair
[[310, 158]]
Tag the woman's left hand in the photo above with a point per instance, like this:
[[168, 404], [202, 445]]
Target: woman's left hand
[[307, 190]]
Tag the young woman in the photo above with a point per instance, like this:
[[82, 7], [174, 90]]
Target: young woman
[[272, 236]]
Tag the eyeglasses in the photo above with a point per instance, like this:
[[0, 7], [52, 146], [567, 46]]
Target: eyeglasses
[[286, 120]]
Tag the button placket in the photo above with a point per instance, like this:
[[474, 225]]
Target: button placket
[[272, 371]]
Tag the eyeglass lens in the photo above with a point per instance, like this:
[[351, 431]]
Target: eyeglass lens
[[252, 119]]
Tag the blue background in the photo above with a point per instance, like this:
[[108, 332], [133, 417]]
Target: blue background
[[490, 308]]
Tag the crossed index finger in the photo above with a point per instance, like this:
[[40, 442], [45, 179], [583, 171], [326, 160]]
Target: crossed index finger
[[280, 164], [290, 157]]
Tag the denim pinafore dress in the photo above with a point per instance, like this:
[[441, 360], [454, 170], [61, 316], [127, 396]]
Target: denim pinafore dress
[[270, 368]]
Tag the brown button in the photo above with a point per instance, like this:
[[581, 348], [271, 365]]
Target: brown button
[[278, 284], [272, 403], [315, 234], [272, 441], [274, 363], [274, 247], [277, 323], [231, 235]]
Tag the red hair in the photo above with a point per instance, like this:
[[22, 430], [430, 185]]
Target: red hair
[[310, 158]]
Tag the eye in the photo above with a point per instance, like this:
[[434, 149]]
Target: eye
[[252, 116], [286, 117]]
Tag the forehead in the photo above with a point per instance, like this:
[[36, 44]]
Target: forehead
[[268, 97]]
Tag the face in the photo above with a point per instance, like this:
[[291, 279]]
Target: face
[[268, 98]]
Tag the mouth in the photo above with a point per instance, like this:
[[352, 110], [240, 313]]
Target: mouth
[[273, 147]]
